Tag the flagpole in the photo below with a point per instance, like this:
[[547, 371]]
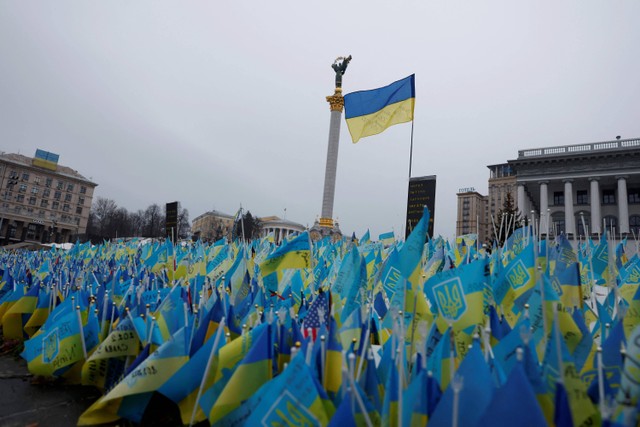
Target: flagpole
[[411, 150]]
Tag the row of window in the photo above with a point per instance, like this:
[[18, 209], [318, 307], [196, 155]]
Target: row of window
[[582, 221], [40, 214], [608, 197], [55, 205], [48, 182], [57, 195]]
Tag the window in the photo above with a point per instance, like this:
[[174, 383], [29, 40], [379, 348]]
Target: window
[[633, 195], [582, 198], [45, 192], [65, 208], [48, 182], [634, 225], [78, 210], [557, 223], [610, 222], [25, 176], [580, 226], [22, 188], [608, 197], [69, 187], [44, 203], [60, 185], [81, 201], [55, 205], [34, 190], [8, 195], [36, 180], [67, 197], [20, 198], [32, 200], [57, 195], [83, 189], [558, 198], [17, 209]]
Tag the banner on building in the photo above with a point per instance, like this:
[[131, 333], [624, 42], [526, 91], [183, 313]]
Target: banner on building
[[422, 191], [171, 220]]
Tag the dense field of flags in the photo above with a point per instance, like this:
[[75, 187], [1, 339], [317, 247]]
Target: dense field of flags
[[363, 332]]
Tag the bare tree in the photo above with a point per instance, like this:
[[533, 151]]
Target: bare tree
[[184, 228], [103, 212], [153, 221], [136, 221]]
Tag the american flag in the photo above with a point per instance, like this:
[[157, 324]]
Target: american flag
[[317, 315]]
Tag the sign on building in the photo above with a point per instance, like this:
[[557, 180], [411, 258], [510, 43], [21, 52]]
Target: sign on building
[[171, 220], [422, 191]]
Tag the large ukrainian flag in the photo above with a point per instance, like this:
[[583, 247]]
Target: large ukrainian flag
[[370, 112]]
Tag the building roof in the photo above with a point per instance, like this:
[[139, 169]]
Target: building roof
[[578, 149], [214, 213], [273, 220], [25, 161]]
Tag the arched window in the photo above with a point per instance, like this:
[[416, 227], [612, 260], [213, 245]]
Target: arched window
[[557, 225], [611, 222], [580, 227], [634, 225]]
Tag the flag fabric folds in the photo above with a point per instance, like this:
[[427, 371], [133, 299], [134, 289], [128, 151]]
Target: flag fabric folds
[[370, 112]]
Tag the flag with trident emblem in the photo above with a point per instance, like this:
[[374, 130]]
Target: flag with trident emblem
[[458, 295]]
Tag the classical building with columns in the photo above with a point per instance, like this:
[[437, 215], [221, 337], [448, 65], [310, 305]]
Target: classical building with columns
[[281, 228], [575, 189], [581, 189], [214, 225]]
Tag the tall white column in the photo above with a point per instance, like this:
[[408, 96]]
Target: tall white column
[[544, 206], [596, 220], [336, 103], [522, 199], [569, 217], [623, 205]]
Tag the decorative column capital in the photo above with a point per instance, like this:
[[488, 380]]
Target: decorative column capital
[[543, 182], [619, 177], [594, 178], [336, 101], [567, 180]]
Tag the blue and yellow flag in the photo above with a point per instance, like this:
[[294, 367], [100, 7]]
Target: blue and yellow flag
[[370, 112], [293, 254]]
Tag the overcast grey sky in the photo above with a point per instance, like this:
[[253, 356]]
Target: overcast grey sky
[[217, 104]]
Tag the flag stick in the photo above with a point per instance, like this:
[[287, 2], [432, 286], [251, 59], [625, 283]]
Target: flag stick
[[323, 351], [356, 395], [600, 381], [84, 346], [364, 344], [456, 384], [411, 150], [207, 369], [400, 361]]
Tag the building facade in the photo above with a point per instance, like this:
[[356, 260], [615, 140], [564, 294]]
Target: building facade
[[214, 225], [578, 190], [281, 228], [211, 226], [472, 214], [582, 189], [42, 201]]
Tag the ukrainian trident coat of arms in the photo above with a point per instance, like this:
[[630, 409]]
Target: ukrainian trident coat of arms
[[450, 296]]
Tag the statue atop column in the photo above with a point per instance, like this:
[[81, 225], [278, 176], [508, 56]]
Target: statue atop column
[[340, 66]]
